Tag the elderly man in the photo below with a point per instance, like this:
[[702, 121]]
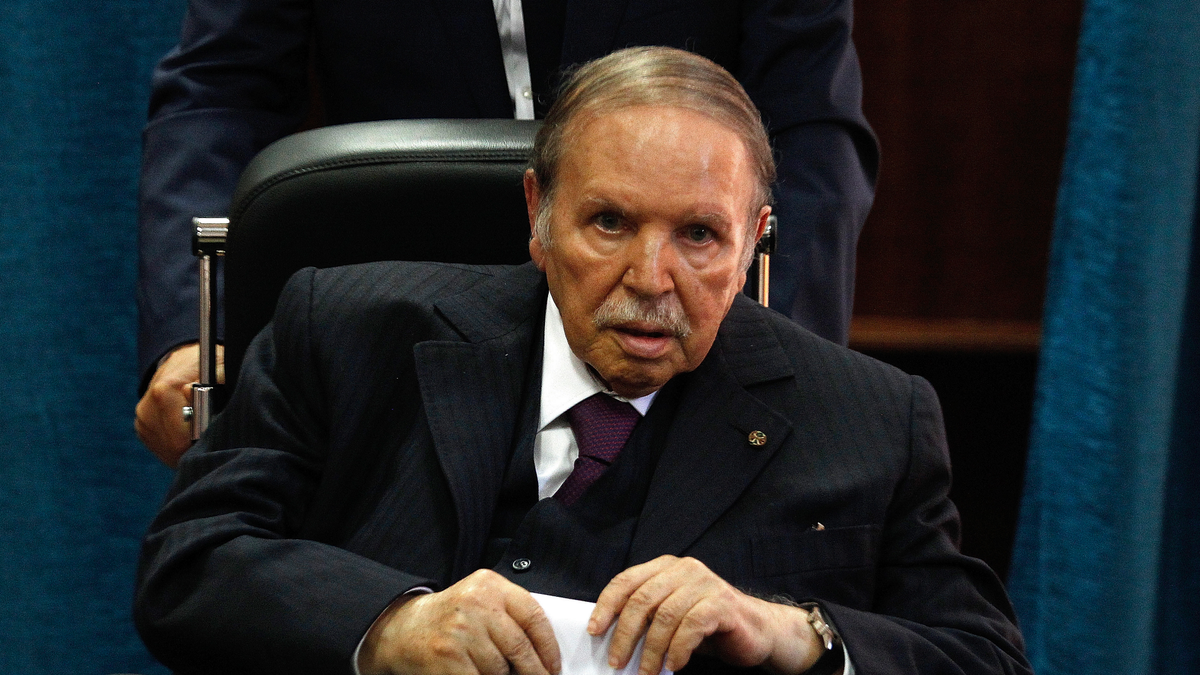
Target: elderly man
[[413, 448]]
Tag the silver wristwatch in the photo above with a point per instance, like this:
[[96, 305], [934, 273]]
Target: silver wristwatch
[[833, 658]]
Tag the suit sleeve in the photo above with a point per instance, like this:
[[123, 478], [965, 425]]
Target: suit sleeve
[[235, 82], [799, 65], [935, 609], [223, 587]]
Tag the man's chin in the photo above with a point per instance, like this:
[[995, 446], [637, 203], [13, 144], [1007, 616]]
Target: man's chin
[[620, 362], [635, 378], [636, 389]]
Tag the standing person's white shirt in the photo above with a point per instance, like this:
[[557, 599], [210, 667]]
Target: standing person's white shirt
[[510, 22]]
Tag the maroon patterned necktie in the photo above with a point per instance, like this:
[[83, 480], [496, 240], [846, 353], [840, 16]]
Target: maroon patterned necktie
[[601, 424]]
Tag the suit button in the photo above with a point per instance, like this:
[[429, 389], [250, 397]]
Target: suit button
[[757, 439], [521, 564]]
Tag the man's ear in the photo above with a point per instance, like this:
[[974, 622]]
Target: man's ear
[[533, 201], [759, 227], [763, 214]]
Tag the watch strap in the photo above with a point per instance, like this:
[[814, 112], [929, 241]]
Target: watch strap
[[833, 657]]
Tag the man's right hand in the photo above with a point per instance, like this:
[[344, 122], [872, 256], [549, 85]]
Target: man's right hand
[[482, 625], [158, 418]]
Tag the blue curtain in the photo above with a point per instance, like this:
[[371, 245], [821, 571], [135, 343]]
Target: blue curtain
[[76, 488], [1106, 570]]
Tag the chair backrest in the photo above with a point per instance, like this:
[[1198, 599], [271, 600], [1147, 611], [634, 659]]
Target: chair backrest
[[443, 190]]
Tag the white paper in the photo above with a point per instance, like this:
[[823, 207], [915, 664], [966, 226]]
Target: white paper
[[583, 654]]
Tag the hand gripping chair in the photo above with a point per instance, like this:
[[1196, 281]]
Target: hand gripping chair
[[442, 190]]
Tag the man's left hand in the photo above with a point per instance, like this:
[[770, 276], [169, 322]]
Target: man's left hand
[[683, 607]]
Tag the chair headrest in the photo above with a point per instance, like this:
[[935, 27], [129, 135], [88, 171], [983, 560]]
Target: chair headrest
[[386, 142], [442, 190]]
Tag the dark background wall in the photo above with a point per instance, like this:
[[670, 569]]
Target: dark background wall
[[970, 102]]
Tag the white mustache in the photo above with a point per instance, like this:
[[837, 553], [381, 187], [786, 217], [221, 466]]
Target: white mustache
[[665, 312]]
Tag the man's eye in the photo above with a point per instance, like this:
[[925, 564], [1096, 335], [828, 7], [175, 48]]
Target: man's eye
[[699, 233], [608, 221]]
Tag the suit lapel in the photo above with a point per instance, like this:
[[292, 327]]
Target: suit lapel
[[709, 459], [591, 29], [472, 392], [470, 27]]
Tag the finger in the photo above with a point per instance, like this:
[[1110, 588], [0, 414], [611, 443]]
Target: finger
[[682, 621], [658, 607], [139, 427], [180, 366], [159, 423], [515, 647], [668, 619], [220, 364], [702, 621], [616, 594], [638, 614], [532, 619], [488, 655]]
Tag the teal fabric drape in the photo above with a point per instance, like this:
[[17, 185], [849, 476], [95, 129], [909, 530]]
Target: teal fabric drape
[[76, 488], [1105, 570]]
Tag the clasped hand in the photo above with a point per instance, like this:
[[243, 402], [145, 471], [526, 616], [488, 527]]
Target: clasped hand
[[486, 625]]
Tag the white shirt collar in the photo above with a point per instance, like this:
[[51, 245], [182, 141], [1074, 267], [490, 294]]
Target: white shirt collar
[[566, 379]]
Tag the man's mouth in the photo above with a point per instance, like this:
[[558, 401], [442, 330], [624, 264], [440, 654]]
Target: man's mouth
[[643, 332], [644, 342]]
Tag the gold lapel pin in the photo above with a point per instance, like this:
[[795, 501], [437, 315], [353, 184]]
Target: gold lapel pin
[[757, 438]]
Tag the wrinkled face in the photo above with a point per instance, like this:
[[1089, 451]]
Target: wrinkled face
[[648, 225]]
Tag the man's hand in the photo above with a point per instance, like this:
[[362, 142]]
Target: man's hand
[[482, 625], [683, 607], [158, 418]]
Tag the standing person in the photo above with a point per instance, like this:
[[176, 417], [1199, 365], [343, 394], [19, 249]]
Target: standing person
[[240, 78]]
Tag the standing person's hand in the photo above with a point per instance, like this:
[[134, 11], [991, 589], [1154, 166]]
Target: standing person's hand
[[158, 418]]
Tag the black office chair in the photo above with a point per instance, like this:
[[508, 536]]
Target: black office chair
[[443, 190]]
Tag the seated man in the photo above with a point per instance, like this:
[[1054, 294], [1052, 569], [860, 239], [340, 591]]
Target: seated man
[[412, 448]]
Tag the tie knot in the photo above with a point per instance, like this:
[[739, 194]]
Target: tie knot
[[602, 424]]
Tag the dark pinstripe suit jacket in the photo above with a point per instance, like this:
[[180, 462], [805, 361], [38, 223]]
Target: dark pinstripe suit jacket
[[364, 449]]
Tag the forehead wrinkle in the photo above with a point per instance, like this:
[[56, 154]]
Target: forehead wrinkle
[[604, 170], [703, 215]]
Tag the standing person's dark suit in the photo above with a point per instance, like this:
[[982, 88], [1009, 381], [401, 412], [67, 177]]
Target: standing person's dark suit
[[383, 433], [238, 81]]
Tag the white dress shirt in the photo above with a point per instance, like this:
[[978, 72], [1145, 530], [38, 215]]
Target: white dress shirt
[[566, 380]]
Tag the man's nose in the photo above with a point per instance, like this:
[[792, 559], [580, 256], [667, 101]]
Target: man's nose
[[651, 264]]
